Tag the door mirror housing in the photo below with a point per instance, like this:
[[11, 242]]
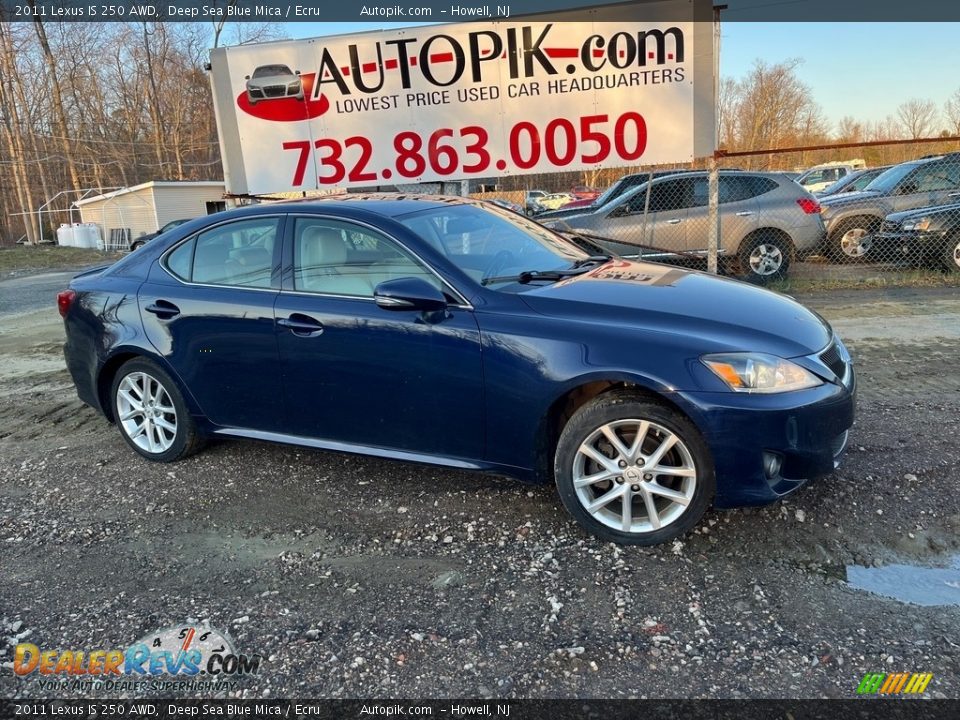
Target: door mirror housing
[[409, 293]]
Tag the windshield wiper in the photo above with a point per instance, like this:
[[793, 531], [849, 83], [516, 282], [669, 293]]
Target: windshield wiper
[[528, 276]]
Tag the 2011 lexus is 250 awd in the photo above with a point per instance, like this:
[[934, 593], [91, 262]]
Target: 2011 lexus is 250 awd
[[447, 331]]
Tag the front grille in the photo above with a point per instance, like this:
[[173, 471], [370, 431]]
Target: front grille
[[273, 91], [890, 226], [832, 359]]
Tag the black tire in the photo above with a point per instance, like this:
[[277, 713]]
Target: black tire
[[624, 406], [764, 257], [184, 441], [843, 247], [950, 257], [136, 246]]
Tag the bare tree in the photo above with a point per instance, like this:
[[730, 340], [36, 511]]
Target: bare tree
[[952, 112], [918, 118]]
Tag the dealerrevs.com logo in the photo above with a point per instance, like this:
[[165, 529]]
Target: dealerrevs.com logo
[[278, 93], [902, 683], [177, 652]]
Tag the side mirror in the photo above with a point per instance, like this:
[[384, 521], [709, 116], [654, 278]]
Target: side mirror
[[409, 293], [246, 77], [297, 72]]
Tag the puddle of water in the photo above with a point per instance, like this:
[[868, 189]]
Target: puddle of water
[[910, 583]]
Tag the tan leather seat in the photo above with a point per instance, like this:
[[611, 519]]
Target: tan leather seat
[[322, 265]]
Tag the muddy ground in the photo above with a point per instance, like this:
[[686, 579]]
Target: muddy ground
[[356, 577]]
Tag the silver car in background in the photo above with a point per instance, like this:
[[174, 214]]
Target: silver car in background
[[766, 221]]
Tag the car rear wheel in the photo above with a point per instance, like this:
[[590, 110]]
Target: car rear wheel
[[853, 239], [765, 257], [633, 471], [951, 255], [136, 246], [151, 414]]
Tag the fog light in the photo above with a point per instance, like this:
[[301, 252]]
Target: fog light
[[771, 465]]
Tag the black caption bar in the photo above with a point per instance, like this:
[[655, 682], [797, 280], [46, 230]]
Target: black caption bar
[[877, 709], [434, 11]]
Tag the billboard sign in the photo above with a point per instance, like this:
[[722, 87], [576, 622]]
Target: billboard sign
[[455, 101]]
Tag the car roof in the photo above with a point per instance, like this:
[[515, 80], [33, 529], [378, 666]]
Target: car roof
[[385, 204]]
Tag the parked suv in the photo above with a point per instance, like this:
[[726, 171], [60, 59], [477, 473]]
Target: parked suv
[[852, 218], [928, 236], [766, 220]]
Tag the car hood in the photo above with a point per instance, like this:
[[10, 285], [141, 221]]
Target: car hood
[[716, 314], [849, 198], [925, 211]]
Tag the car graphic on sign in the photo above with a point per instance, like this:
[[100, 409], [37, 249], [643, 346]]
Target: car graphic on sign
[[273, 82]]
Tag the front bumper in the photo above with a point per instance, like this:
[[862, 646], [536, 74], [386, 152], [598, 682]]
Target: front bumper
[[806, 433], [915, 245]]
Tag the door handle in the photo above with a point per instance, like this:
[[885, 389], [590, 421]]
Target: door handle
[[675, 221], [953, 194], [745, 213], [301, 325], [163, 309]]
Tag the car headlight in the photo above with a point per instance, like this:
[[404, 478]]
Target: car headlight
[[921, 224], [759, 373]]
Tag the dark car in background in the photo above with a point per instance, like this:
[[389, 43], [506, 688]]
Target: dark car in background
[[450, 332], [853, 218], [144, 239], [925, 237]]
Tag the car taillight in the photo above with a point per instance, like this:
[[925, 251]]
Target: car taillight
[[809, 205], [65, 300]]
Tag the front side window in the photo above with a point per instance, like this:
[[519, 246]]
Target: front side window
[[238, 254], [488, 242], [332, 257], [664, 196]]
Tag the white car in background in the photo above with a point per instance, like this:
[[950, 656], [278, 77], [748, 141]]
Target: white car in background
[[273, 82], [823, 176]]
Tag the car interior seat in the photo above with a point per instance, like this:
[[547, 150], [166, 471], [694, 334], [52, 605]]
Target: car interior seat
[[322, 259]]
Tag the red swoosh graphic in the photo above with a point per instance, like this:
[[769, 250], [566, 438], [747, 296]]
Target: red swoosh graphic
[[287, 109]]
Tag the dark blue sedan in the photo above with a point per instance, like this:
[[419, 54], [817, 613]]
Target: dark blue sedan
[[445, 331]]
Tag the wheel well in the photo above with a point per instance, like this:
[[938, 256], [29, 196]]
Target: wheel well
[[105, 381], [566, 405], [841, 225], [768, 231]]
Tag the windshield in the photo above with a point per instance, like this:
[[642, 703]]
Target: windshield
[[271, 70], [611, 192], [886, 181], [488, 242]]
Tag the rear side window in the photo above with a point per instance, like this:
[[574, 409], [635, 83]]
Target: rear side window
[[239, 254]]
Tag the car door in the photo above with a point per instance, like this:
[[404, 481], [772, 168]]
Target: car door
[[207, 307], [657, 222], [934, 183], [739, 212], [356, 373]]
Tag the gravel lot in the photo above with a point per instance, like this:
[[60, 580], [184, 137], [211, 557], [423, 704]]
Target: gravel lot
[[357, 577]]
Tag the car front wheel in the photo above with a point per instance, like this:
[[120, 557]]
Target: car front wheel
[[633, 471], [151, 414], [951, 255], [853, 239]]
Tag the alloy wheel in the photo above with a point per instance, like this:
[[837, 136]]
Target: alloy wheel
[[766, 259], [634, 475], [146, 412], [856, 243]]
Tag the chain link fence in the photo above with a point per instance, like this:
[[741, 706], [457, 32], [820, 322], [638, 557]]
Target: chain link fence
[[883, 212]]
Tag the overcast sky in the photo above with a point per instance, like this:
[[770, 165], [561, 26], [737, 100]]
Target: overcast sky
[[860, 69]]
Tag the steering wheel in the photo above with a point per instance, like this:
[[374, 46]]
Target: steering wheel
[[497, 265]]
